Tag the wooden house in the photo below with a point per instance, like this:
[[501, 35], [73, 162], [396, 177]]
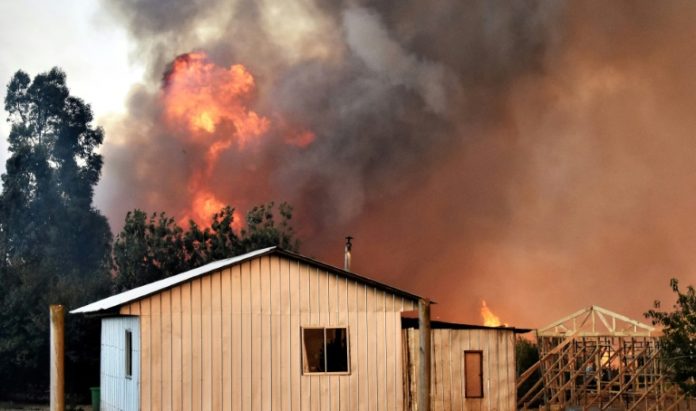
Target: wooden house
[[274, 330], [472, 366]]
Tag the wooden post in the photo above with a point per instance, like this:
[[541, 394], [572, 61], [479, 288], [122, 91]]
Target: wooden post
[[57, 358], [424, 355]]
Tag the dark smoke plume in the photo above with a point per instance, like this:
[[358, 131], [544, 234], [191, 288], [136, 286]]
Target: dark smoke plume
[[539, 155]]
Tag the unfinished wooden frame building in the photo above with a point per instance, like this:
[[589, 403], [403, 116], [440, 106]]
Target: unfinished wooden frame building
[[598, 359]]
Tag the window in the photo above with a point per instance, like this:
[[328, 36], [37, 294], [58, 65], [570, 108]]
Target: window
[[473, 371], [129, 353], [325, 350]]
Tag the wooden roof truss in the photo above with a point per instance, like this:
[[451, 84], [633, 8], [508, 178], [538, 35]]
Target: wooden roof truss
[[596, 321], [598, 359]]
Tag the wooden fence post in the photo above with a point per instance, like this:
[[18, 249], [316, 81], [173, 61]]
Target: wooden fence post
[[57, 357], [424, 355]]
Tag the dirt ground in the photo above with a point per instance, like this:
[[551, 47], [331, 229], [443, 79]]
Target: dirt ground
[[13, 406]]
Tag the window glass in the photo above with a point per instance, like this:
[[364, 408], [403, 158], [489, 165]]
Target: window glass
[[314, 350], [336, 350], [325, 350], [129, 353]]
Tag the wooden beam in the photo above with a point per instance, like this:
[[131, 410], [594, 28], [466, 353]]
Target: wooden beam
[[524, 401], [633, 376], [624, 318], [638, 378], [550, 374], [57, 316], [604, 320], [586, 382], [525, 375], [652, 388], [676, 402], [659, 401], [563, 320], [424, 355], [573, 374], [615, 379], [635, 328]]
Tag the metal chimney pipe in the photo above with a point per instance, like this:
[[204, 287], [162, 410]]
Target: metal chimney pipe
[[346, 255]]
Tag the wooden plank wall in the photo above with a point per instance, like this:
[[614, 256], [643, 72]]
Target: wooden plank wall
[[447, 369], [231, 340], [118, 392]]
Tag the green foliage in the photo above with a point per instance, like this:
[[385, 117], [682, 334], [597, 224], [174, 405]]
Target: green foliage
[[526, 355], [149, 249], [54, 245], [50, 177], [678, 343], [262, 230]]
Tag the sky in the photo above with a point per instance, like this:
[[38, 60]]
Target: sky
[[536, 155], [37, 35]]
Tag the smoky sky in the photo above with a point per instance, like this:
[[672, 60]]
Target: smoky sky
[[538, 155]]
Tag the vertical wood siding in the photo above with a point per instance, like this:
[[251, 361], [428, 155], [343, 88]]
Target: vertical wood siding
[[448, 374], [118, 392], [231, 340]]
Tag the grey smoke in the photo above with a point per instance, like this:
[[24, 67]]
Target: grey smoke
[[370, 41], [535, 154]]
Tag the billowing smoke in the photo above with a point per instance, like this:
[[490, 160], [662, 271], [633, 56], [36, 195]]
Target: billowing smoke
[[539, 155]]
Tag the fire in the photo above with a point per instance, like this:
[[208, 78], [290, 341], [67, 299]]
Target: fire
[[210, 104], [203, 121], [204, 96], [205, 204], [489, 319], [300, 139]]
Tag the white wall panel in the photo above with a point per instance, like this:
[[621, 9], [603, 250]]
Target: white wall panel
[[119, 392]]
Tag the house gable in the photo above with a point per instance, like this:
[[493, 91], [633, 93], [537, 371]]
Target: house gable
[[242, 323], [112, 304]]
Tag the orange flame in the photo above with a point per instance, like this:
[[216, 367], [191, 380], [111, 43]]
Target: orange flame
[[211, 104], [300, 139], [204, 96], [489, 319], [205, 204]]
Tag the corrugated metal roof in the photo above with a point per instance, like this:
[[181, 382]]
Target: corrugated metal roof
[[410, 322], [125, 297], [151, 288]]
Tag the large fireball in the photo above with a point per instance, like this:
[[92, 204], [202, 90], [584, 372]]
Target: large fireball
[[202, 96], [211, 106]]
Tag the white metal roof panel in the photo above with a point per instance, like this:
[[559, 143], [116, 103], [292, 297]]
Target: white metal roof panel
[[151, 288]]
